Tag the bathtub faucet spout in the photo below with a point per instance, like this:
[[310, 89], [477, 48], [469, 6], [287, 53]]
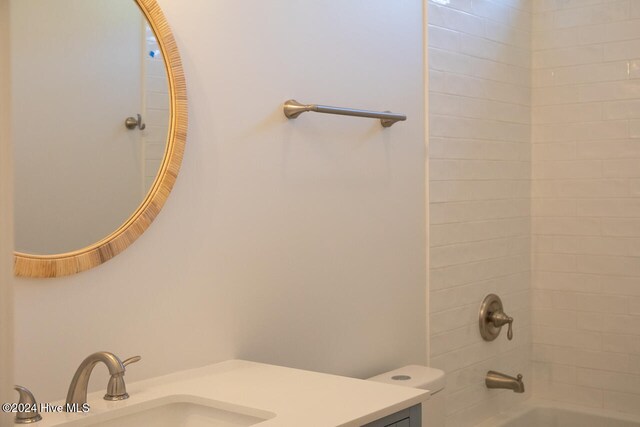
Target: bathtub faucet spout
[[499, 380]]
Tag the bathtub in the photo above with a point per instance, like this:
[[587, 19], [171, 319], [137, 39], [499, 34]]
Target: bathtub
[[546, 414]]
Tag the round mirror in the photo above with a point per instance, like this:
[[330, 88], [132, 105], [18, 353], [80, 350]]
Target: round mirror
[[99, 126]]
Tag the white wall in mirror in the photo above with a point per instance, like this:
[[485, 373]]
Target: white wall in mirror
[[6, 228], [291, 242], [80, 68]]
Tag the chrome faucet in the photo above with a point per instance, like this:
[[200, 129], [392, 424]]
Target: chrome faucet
[[498, 380], [116, 389], [27, 407]]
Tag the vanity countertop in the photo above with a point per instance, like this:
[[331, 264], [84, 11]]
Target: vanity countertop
[[287, 397]]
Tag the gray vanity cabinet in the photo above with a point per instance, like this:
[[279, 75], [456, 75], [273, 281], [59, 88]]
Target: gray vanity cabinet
[[410, 417]]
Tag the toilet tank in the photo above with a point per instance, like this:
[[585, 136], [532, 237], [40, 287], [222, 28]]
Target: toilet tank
[[425, 378]]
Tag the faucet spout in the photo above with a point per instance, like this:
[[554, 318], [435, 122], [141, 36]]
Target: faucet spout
[[499, 380], [80, 382]]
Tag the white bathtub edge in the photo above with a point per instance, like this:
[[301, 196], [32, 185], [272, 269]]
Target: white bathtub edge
[[530, 404]]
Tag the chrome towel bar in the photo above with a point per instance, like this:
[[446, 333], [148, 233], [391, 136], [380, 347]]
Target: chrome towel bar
[[292, 109]]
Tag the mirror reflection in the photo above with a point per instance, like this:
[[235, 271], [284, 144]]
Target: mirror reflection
[[90, 119]]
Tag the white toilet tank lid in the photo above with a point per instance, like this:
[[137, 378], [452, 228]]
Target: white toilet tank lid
[[416, 376]]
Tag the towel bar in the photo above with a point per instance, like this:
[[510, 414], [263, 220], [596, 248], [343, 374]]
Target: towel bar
[[292, 109]]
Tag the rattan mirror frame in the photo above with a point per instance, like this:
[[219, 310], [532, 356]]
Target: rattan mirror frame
[[44, 266]]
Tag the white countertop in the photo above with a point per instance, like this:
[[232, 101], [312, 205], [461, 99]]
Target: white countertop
[[288, 397]]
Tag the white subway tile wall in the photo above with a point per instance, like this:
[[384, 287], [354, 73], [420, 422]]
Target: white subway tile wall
[[156, 99], [586, 202], [480, 186]]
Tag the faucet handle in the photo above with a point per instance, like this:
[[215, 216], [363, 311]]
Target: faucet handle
[[131, 360], [31, 414], [499, 319], [116, 388]]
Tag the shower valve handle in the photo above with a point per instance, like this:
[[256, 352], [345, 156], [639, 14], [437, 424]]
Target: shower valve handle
[[492, 318], [500, 319]]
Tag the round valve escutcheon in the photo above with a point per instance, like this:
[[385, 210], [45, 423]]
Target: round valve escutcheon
[[492, 318]]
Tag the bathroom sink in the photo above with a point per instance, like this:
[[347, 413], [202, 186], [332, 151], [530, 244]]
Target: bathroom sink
[[237, 393], [177, 412]]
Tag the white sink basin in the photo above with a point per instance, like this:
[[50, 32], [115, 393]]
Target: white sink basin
[[177, 411], [183, 415]]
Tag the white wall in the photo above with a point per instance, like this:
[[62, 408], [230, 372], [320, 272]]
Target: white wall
[[293, 242], [586, 203], [479, 101], [6, 227]]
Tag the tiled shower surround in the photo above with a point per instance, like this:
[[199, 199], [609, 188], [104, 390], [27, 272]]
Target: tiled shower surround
[[586, 202], [156, 100], [535, 195], [480, 167]]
